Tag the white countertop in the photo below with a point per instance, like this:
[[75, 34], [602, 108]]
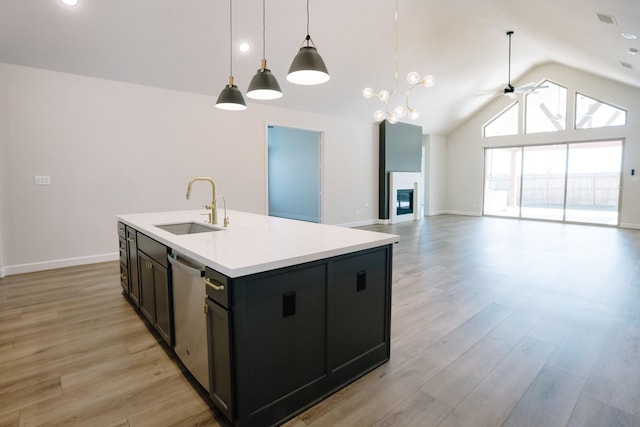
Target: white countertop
[[254, 243]]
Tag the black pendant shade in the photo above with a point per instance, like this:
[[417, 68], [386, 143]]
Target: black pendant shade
[[308, 67], [264, 85], [231, 98]]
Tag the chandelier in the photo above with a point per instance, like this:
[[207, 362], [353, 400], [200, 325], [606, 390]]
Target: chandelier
[[414, 80]]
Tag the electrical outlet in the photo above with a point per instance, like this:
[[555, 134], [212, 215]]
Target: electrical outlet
[[42, 180]]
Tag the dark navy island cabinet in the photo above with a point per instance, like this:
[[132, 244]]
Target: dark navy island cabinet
[[282, 340], [278, 341]]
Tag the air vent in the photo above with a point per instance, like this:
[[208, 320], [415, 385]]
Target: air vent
[[606, 19], [626, 65]]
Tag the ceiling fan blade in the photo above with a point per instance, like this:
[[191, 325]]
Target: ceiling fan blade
[[529, 88], [490, 93]]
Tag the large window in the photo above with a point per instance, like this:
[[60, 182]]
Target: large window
[[546, 109], [591, 113], [502, 179], [593, 182], [505, 123], [543, 181], [578, 182]]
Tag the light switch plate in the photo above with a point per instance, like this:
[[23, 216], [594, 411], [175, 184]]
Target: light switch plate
[[42, 180]]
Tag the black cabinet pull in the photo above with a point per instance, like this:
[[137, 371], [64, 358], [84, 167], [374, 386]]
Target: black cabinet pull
[[288, 304], [361, 284]]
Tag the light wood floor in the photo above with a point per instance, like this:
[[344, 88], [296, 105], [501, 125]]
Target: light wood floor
[[494, 322]]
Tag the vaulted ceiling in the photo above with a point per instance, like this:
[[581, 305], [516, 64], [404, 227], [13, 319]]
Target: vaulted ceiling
[[184, 45]]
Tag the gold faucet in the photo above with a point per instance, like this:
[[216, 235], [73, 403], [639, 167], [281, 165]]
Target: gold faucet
[[213, 216]]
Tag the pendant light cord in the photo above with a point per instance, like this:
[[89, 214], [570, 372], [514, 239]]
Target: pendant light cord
[[230, 40], [264, 25], [308, 36], [396, 34]]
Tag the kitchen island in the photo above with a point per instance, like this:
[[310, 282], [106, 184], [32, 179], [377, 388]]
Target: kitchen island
[[294, 310]]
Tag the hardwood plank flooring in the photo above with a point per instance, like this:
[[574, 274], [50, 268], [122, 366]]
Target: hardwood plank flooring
[[494, 322]]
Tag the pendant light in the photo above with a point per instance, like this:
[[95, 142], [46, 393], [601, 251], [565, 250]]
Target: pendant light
[[231, 98], [308, 67], [264, 84]]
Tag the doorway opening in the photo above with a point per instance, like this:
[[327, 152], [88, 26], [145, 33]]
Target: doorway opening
[[572, 182], [294, 173]]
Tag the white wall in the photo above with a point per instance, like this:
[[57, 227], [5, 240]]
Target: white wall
[[4, 165], [113, 147], [435, 174], [464, 167]]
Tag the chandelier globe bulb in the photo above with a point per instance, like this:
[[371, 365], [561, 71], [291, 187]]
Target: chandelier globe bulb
[[428, 80], [413, 78], [367, 92]]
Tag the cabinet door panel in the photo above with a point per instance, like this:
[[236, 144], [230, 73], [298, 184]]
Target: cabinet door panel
[[359, 301], [162, 301], [147, 303], [286, 336], [220, 374], [124, 278], [132, 255]]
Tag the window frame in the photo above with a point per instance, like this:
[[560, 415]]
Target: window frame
[[608, 104]]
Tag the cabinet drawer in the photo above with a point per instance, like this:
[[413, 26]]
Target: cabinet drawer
[[217, 287], [123, 250], [131, 235], [124, 278], [154, 249], [121, 231]]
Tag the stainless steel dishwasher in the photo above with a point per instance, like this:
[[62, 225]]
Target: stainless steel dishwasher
[[190, 320]]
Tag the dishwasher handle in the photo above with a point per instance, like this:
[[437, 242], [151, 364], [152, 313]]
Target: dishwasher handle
[[185, 267]]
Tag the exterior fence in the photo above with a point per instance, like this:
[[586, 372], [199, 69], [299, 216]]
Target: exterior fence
[[599, 191]]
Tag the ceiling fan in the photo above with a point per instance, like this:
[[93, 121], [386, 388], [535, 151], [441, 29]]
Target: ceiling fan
[[509, 89]]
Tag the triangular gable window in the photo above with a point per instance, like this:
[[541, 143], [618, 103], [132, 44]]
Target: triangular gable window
[[546, 109], [592, 113], [505, 123]]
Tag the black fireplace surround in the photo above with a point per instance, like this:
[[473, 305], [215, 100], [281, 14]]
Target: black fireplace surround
[[400, 151], [404, 202]]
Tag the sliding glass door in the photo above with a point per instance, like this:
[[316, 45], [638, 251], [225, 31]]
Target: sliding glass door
[[543, 181], [502, 181], [577, 182], [593, 182]]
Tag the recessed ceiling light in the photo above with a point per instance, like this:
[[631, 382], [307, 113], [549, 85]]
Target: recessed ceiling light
[[244, 47], [626, 65], [70, 2], [629, 36], [632, 51]]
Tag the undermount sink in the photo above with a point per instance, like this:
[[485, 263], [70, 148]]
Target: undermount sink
[[188, 228]]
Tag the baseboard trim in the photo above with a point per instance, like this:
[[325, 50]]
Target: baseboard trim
[[434, 213], [362, 223], [463, 213], [629, 225], [10, 270]]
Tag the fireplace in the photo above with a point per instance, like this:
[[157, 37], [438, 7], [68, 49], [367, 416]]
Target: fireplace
[[404, 201], [404, 196]]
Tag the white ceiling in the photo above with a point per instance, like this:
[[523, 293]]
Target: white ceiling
[[184, 45]]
